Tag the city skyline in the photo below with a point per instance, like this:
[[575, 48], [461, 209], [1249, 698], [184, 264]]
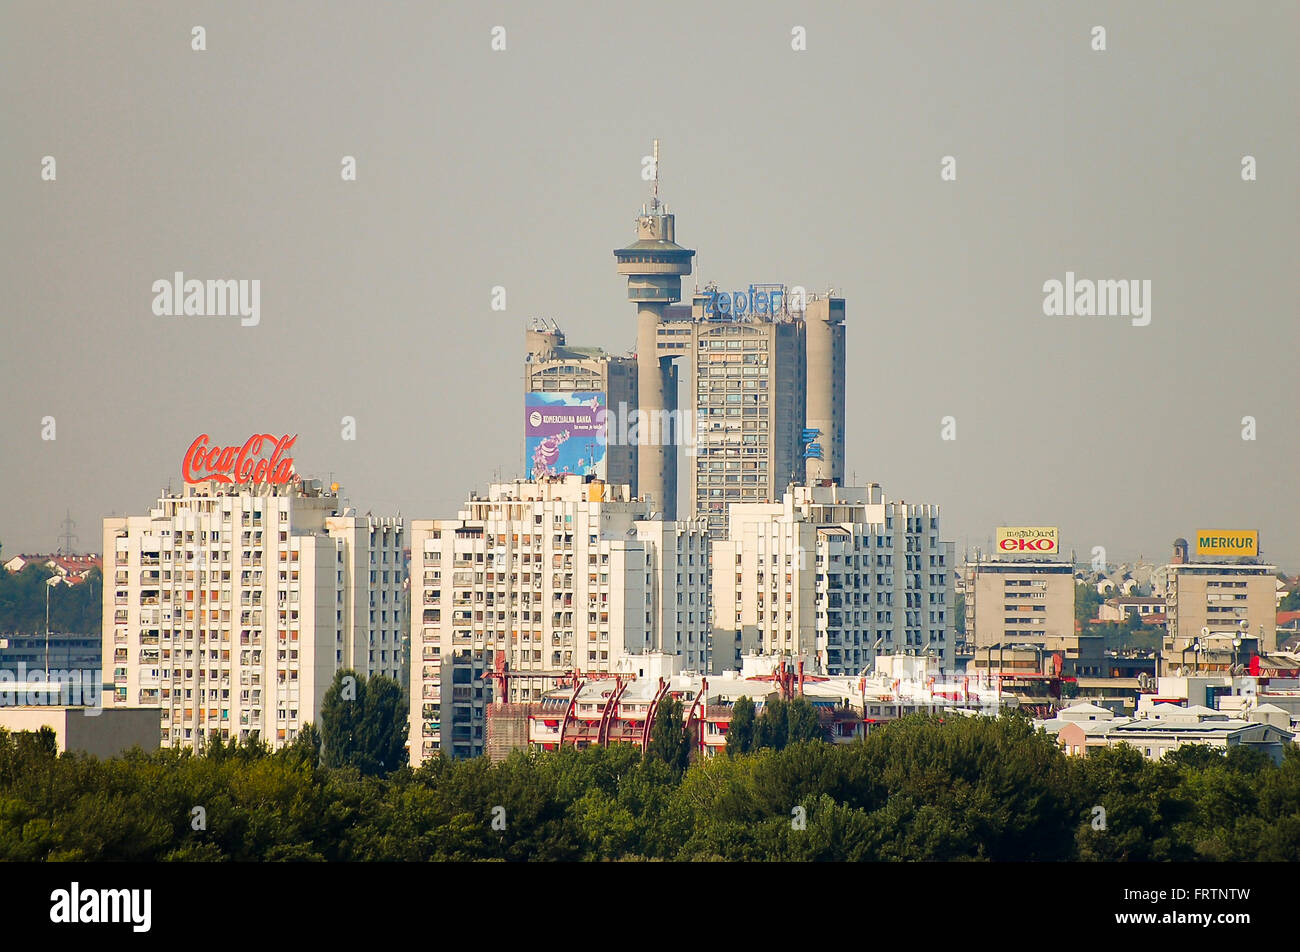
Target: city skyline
[[1125, 436]]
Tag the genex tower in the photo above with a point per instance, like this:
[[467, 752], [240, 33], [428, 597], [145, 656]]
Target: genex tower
[[654, 265]]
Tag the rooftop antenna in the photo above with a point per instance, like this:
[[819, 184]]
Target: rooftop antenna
[[654, 193]]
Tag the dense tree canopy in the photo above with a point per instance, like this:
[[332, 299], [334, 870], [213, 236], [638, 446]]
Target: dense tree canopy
[[740, 732], [916, 789], [669, 741], [363, 723], [75, 609]]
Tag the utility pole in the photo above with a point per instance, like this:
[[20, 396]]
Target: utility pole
[[67, 538], [48, 585]]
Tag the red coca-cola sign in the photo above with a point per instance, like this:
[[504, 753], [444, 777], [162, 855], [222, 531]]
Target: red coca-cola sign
[[240, 464]]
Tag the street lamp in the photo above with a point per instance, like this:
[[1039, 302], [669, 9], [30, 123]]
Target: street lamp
[[49, 584]]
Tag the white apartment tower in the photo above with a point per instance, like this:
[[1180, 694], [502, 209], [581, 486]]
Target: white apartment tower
[[538, 580], [232, 607], [834, 576]]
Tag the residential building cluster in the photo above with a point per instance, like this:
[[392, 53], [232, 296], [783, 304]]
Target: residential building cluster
[[564, 606]]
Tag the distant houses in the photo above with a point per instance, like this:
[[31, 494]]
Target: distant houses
[[69, 569]]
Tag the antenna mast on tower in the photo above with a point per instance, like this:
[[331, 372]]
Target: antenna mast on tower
[[654, 193]]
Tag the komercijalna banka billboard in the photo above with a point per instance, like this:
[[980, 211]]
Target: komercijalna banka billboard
[[564, 433]]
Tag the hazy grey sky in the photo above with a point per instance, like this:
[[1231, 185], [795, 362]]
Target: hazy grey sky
[[522, 169]]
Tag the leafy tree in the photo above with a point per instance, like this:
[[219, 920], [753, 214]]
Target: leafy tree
[[73, 608], [1086, 602], [918, 788], [306, 747], [668, 742], [772, 729], [959, 613], [802, 722], [363, 723], [740, 732], [1144, 805], [1291, 602], [1194, 756]]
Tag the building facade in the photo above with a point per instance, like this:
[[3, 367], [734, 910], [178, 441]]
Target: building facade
[[553, 367], [1218, 613], [1020, 602], [538, 580], [835, 577], [621, 709], [747, 394], [231, 608]]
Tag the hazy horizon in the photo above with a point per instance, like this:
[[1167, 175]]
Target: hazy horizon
[[522, 169]]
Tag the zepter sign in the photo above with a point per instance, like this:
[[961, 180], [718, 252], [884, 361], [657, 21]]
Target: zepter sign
[[1028, 540]]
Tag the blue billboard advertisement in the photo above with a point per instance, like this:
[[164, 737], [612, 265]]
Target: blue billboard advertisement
[[564, 433]]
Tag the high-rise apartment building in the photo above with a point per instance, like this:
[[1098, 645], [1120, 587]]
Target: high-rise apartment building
[[834, 576], [765, 392], [747, 398], [231, 607], [570, 393], [536, 581]]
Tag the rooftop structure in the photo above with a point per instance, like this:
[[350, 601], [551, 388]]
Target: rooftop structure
[[621, 708], [654, 265]]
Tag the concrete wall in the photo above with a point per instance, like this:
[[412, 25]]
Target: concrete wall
[[109, 732]]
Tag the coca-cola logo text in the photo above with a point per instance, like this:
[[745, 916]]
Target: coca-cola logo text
[[240, 464]]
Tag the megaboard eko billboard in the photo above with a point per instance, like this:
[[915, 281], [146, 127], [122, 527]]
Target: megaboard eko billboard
[[1028, 540]]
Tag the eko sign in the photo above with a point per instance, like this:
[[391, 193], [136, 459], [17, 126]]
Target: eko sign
[[1038, 540]]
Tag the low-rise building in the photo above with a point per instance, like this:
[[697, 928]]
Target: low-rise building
[[1218, 613], [58, 650], [1020, 602], [1166, 727], [621, 708], [103, 732], [68, 569], [1148, 608]]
